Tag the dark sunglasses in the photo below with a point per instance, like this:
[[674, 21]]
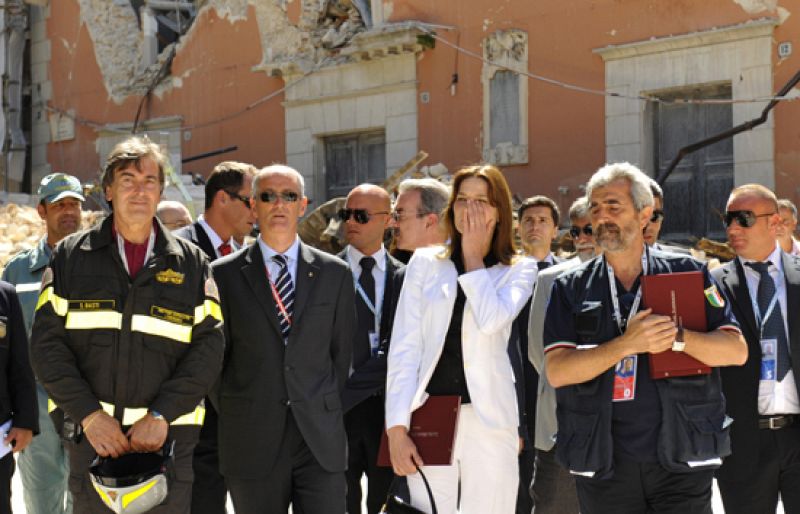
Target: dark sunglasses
[[272, 197], [745, 219], [658, 214], [361, 216], [237, 196], [575, 231]]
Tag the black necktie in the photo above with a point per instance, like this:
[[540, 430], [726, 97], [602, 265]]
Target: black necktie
[[542, 265], [285, 289], [772, 327], [366, 319]]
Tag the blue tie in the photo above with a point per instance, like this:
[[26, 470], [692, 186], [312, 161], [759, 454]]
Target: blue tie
[[285, 289], [772, 327]]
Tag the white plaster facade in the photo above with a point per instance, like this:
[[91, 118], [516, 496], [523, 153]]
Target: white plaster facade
[[740, 55], [379, 93], [505, 50]]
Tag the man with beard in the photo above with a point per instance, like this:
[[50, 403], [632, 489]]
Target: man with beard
[[43, 465], [635, 444], [552, 487]]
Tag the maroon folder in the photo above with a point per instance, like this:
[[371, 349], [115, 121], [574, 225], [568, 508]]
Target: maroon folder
[[433, 430], [680, 296]]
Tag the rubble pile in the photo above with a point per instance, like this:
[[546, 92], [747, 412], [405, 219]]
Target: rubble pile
[[21, 228]]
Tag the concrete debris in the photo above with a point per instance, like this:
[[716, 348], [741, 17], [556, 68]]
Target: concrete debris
[[324, 27], [756, 6], [22, 229]]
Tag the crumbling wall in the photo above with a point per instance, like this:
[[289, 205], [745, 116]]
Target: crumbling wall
[[323, 27], [117, 43]]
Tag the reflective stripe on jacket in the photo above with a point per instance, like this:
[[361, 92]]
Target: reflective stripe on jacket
[[101, 339]]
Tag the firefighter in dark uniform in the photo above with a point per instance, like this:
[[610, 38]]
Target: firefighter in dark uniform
[[635, 444], [127, 336]]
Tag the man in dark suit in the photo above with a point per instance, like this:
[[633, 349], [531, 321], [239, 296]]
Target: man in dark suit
[[289, 326], [227, 216], [18, 405], [378, 278], [763, 286], [538, 226]]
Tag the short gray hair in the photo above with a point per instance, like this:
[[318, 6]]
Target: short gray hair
[[433, 194], [580, 208], [785, 203], [641, 194], [655, 188], [279, 169]]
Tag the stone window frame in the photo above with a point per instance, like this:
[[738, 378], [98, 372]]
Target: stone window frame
[[740, 54], [505, 50]]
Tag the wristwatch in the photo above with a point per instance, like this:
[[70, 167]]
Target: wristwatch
[[679, 345], [157, 415]]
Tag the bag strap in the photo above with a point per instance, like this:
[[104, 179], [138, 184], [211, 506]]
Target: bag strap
[[393, 487], [428, 487]]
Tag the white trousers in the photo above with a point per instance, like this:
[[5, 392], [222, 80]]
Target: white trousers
[[484, 462]]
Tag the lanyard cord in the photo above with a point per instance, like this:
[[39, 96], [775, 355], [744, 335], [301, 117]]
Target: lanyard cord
[[622, 324]]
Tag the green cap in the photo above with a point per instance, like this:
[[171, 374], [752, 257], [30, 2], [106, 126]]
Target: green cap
[[56, 186]]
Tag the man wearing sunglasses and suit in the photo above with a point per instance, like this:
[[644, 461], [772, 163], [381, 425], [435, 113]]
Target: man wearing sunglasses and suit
[[763, 286], [289, 313], [653, 228], [227, 216], [378, 278]]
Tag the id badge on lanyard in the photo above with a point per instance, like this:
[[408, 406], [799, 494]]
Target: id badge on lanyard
[[625, 370], [769, 347]]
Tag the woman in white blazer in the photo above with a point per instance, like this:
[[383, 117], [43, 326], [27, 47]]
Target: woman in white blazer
[[450, 337]]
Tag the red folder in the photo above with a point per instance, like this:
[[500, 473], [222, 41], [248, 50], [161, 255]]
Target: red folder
[[680, 296], [433, 430]]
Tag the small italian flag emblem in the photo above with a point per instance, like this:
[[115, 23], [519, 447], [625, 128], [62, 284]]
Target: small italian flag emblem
[[713, 297]]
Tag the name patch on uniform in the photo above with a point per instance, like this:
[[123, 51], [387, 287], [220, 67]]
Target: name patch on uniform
[[92, 305], [170, 276], [179, 318]]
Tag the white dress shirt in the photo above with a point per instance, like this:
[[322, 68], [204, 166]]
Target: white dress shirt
[[774, 397], [291, 256], [378, 273], [216, 241]]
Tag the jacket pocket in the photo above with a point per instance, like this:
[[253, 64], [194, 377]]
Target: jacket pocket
[[700, 433], [577, 447]]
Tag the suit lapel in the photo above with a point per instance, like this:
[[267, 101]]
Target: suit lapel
[[307, 274], [736, 284], [388, 297], [256, 277], [204, 242]]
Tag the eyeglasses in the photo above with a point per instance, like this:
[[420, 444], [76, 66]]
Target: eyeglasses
[[658, 214], [272, 197], [745, 219], [237, 196], [398, 215], [361, 216], [575, 231]]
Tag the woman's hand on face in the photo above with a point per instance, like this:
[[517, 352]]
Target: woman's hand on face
[[476, 238], [402, 451]]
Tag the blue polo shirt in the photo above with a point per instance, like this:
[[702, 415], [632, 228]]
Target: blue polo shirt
[[581, 313]]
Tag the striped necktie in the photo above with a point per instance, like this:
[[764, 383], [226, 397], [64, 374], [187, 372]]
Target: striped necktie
[[285, 290]]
